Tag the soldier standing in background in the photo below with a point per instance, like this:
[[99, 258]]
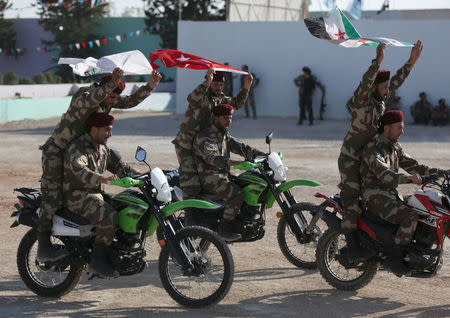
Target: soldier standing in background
[[421, 110], [87, 100], [198, 116], [228, 84], [307, 85], [251, 95], [440, 115]]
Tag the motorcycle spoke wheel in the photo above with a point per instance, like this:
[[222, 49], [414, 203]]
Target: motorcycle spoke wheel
[[302, 255], [51, 279], [213, 272], [335, 273]]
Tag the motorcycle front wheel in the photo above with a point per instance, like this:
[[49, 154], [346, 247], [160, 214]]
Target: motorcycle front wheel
[[49, 279], [300, 254], [342, 277], [213, 272]]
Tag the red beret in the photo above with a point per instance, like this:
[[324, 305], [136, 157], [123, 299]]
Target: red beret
[[391, 117], [119, 89], [100, 120], [223, 110], [218, 76], [382, 76]]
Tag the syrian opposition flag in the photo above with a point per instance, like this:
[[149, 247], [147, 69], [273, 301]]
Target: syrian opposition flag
[[336, 28], [171, 58], [131, 62]]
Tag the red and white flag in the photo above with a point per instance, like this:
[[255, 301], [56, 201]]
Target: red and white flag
[[171, 58]]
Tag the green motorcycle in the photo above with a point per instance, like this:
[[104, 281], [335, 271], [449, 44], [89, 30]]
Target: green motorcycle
[[191, 275], [264, 183]]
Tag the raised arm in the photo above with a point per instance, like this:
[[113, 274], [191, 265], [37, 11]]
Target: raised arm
[[361, 94], [200, 92], [401, 75]]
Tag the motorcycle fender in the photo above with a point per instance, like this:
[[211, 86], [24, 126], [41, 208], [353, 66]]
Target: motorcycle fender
[[177, 206], [288, 185]]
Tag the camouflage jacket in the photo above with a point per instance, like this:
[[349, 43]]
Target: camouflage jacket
[[366, 110], [299, 82], [212, 148], [199, 116], [381, 160], [86, 101], [421, 106], [84, 164]]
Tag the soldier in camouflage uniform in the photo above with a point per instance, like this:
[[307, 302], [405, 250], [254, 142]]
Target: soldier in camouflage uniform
[[212, 148], [198, 116], [306, 84], [440, 115], [421, 110], [366, 106], [228, 84], [381, 159], [85, 163], [87, 100]]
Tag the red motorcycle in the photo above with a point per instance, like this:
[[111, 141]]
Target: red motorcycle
[[423, 256]]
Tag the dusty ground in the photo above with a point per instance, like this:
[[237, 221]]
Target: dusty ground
[[266, 284]]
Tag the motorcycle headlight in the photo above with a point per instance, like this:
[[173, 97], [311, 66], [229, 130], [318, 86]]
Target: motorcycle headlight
[[281, 173]]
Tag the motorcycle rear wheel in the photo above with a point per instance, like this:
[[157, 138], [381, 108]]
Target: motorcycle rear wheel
[[213, 269], [333, 271], [49, 279], [300, 255]]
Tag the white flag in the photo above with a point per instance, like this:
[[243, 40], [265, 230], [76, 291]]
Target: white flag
[[77, 45], [118, 38], [131, 62], [97, 42]]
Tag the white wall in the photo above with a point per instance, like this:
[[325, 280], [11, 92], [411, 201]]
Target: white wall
[[276, 52]]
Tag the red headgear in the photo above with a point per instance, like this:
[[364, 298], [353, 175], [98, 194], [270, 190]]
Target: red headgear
[[223, 110], [218, 76], [120, 87], [391, 117], [100, 120], [382, 76]]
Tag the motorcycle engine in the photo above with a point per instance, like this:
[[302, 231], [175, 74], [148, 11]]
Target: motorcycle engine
[[423, 236]]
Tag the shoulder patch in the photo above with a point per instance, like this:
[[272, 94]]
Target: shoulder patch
[[380, 157], [210, 146]]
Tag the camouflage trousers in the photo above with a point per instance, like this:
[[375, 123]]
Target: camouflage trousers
[[305, 105], [51, 185], [220, 185], [389, 207], [189, 180], [350, 186], [250, 100], [99, 213]]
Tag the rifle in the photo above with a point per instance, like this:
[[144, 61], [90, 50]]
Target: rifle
[[322, 102]]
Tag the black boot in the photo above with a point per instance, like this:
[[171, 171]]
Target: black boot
[[356, 253], [46, 251], [227, 232], [394, 260], [100, 263]]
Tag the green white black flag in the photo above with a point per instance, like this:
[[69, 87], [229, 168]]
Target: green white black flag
[[336, 28]]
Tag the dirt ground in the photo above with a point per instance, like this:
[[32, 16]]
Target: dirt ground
[[265, 283]]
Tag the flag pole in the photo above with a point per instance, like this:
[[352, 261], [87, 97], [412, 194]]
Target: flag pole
[[305, 8]]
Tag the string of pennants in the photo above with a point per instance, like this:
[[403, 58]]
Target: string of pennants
[[103, 41], [64, 3]]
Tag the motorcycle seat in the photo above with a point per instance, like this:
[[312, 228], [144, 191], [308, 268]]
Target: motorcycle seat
[[383, 230], [73, 217]]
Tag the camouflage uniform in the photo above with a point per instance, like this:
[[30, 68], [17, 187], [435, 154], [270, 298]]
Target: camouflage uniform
[[198, 116], [85, 101], [381, 160], [421, 112], [440, 115], [212, 148], [251, 96], [365, 112], [83, 165], [228, 84]]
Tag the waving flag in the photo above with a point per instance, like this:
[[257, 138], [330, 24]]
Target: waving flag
[[131, 62], [336, 28], [171, 58]]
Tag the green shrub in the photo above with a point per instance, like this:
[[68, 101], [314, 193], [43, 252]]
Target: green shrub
[[52, 78], [40, 79], [10, 78], [25, 80], [130, 78], [1, 79]]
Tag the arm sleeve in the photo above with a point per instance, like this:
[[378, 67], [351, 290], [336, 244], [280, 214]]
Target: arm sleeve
[[411, 166], [207, 150], [381, 170], [242, 149], [116, 166], [238, 101], [361, 94], [94, 95], [135, 99], [399, 77], [78, 163], [198, 94]]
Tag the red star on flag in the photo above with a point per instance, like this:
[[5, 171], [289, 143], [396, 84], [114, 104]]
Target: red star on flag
[[340, 35]]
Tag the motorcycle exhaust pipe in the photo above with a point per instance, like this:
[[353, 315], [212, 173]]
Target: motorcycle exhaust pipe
[[28, 218], [331, 219]]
